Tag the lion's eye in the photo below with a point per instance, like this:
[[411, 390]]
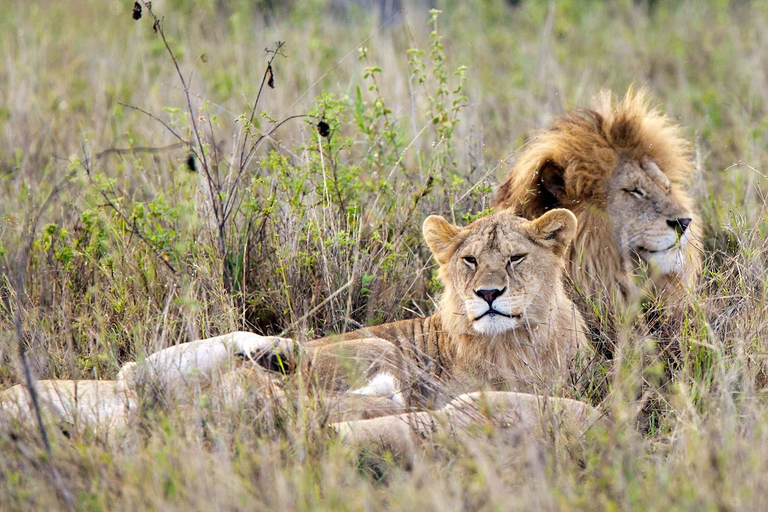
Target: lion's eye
[[471, 261], [637, 192], [517, 257]]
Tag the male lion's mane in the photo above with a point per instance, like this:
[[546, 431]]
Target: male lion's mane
[[586, 145]]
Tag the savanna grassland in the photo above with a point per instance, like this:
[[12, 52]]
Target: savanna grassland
[[290, 200]]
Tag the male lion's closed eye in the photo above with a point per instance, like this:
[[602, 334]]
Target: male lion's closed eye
[[637, 192]]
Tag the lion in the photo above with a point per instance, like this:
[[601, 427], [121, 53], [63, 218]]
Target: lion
[[505, 324], [104, 405], [622, 170]]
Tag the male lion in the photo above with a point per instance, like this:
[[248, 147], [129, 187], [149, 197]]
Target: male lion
[[621, 169], [504, 323]]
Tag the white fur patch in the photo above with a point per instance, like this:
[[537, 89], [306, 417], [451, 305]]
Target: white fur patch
[[491, 323], [672, 261], [382, 384], [495, 324], [203, 358], [127, 372], [668, 262]]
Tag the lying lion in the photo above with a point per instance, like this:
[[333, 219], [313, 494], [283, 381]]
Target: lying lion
[[622, 169], [504, 323]]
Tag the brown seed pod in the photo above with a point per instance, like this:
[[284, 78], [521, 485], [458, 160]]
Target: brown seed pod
[[136, 10], [323, 129]]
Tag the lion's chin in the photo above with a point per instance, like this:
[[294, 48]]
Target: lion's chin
[[666, 262], [492, 324]]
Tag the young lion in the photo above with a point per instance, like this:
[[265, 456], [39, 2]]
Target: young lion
[[504, 323]]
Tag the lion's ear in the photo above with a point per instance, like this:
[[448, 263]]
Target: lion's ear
[[556, 228], [441, 237], [552, 182]]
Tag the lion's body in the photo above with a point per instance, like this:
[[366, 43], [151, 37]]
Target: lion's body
[[529, 417], [621, 169], [429, 364], [102, 404], [504, 324], [434, 358]]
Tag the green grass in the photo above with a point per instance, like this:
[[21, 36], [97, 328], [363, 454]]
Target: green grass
[[121, 253]]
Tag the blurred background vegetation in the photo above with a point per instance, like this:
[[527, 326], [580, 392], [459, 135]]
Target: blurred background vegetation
[[114, 242]]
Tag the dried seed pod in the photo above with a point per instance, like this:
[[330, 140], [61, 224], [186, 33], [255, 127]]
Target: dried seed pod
[[323, 129], [136, 10]]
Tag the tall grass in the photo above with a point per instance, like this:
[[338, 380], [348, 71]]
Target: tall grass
[[422, 117]]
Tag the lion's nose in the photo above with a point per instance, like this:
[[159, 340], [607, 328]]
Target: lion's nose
[[679, 225], [490, 295]]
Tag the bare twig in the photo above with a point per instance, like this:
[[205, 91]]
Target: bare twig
[[317, 308], [158, 24], [165, 125], [138, 149], [222, 193], [214, 191], [20, 275], [268, 72], [228, 206]]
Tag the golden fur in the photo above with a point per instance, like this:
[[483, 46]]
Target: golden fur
[[591, 162]]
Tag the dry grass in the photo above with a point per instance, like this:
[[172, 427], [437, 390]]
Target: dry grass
[[318, 215]]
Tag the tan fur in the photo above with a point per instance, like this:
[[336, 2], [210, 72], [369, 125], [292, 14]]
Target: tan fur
[[103, 405], [533, 417], [578, 163], [436, 357]]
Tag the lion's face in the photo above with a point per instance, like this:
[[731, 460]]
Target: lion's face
[[501, 271], [621, 168], [649, 221]]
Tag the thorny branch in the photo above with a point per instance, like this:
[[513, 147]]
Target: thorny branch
[[223, 202], [199, 150]]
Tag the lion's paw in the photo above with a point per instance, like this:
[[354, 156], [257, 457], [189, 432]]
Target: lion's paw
[[127, 373], [252, 346]]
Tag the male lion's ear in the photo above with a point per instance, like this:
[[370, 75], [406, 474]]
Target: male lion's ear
[[552, 182], [556, 227], [441, 237]]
